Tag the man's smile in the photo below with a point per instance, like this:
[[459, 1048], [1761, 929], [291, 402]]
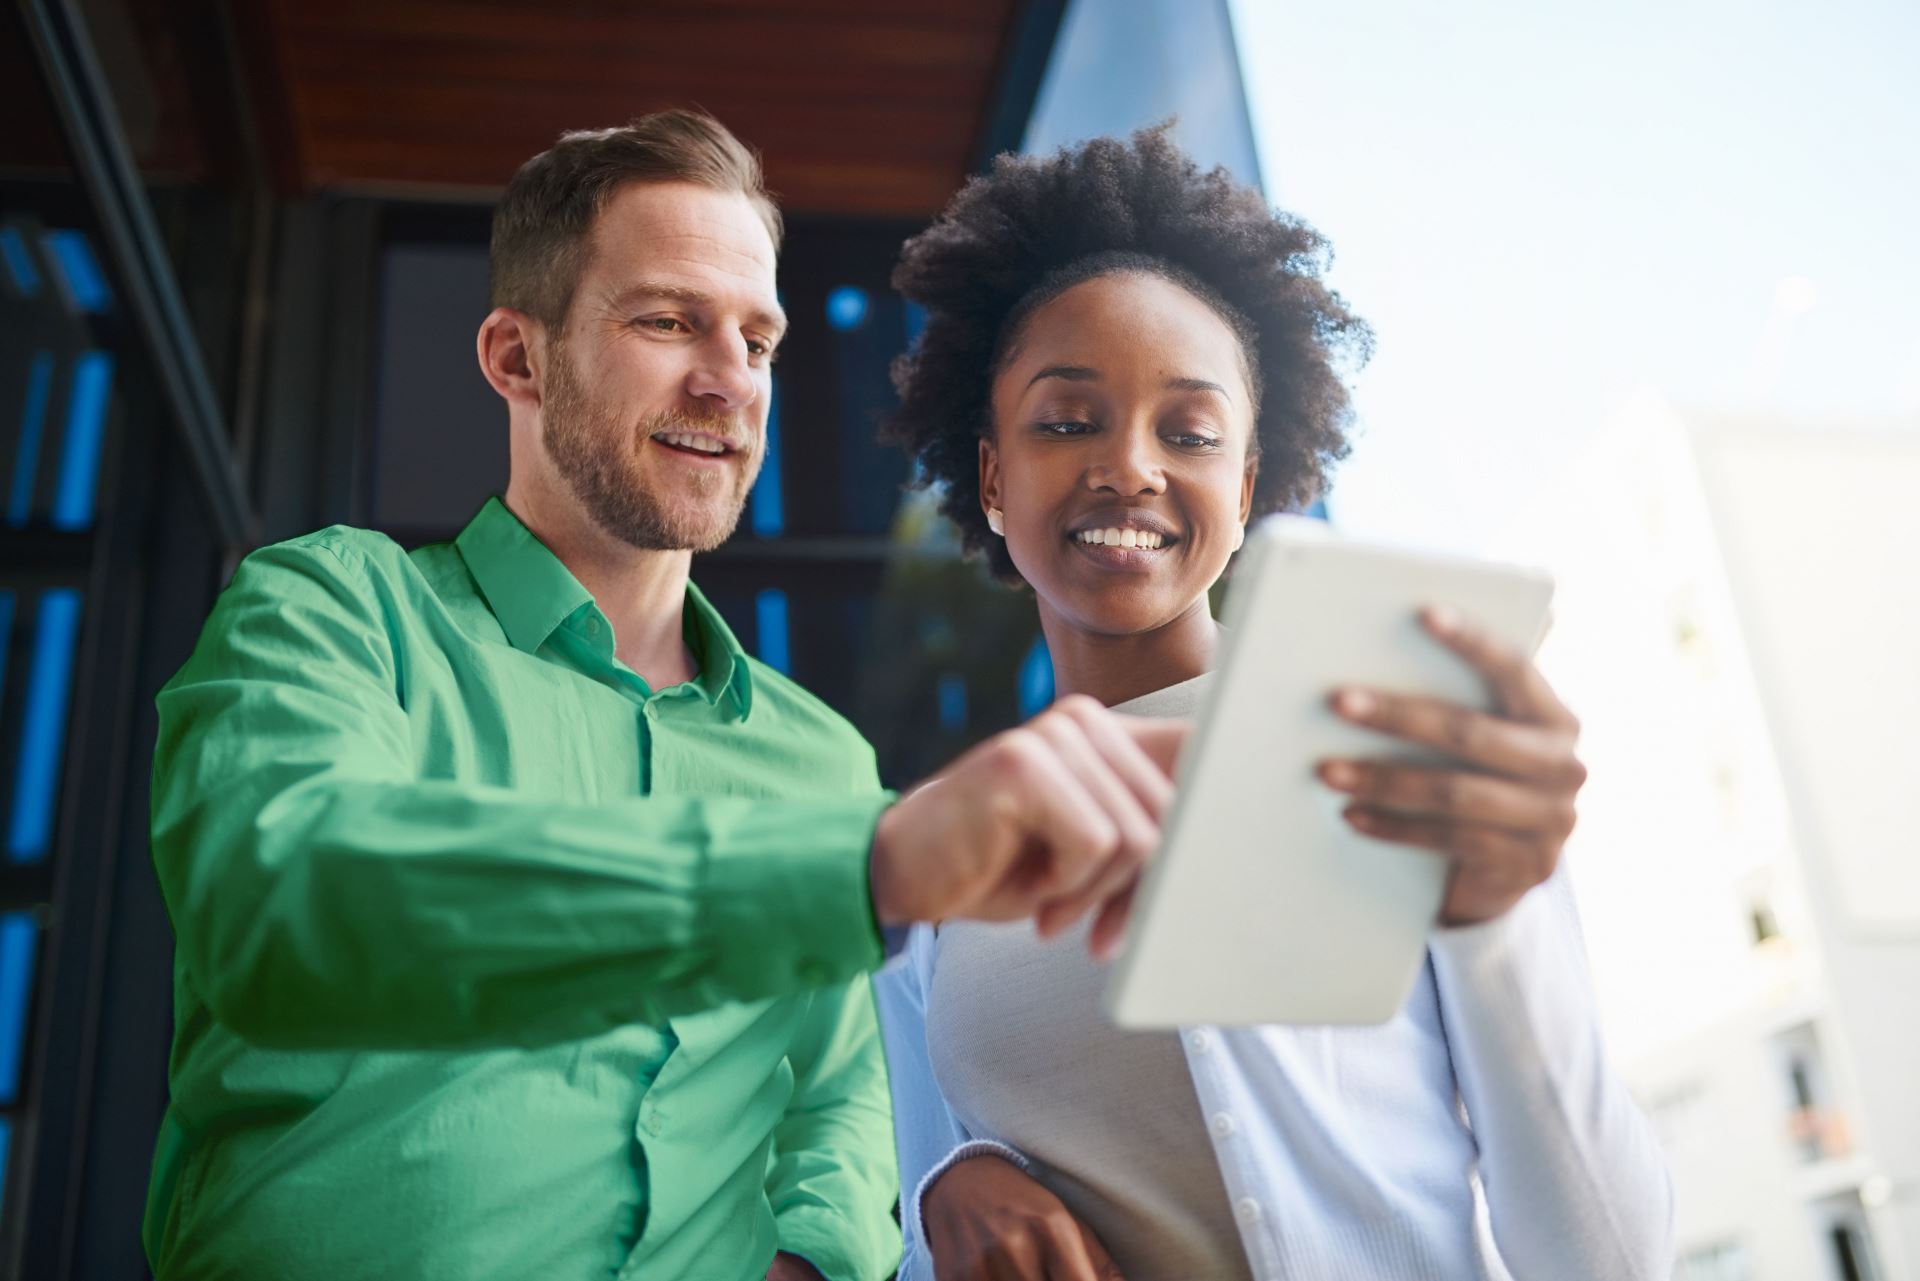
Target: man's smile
[[700, 446]]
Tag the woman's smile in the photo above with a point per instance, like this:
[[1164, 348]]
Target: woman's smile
[[1124, 538]]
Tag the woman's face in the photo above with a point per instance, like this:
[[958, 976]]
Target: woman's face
[[1123, 412]]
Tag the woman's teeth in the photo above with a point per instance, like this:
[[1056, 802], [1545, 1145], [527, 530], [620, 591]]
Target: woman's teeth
[[1121, 538], [705, 444]]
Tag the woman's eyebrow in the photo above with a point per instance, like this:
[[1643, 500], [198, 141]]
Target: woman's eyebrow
[[1198, 384], [1088, 374], [1070, 373]]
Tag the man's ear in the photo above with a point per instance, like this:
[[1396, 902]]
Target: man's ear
[[989, 474], [511, 349]]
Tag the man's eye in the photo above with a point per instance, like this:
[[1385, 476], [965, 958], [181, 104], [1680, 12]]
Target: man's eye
[[664, 324]]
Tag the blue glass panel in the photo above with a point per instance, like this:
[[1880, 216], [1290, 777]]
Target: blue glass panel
[[86, 429], [1319, 509], [868, 487], [13, 249], [770, 612], [79, 270], [16, 992], [766, 511], [846, 308], [33, 422], [1120, 67], [953, 702], [1036, 679], [43, 726]]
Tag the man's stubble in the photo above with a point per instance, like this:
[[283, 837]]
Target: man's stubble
[[599, 456]]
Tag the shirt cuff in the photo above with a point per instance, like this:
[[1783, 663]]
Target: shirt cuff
[[973, 1147], [1516, 987], [1499, 940], [789, 905], [815, 1239]]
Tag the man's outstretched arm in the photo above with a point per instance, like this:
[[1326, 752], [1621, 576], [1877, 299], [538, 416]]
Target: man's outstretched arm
[[324, 895]]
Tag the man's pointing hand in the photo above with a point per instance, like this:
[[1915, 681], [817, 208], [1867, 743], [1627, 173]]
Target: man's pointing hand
[[1049, 820]]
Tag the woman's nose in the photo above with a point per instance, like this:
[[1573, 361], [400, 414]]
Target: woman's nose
[[1128, 465]]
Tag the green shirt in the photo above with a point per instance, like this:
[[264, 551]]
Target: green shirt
[[492, 961]]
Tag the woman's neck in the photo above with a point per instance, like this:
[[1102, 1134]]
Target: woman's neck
[[1114, 669]]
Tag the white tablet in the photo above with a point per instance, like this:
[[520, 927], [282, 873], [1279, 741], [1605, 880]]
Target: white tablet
[[1263, 905]]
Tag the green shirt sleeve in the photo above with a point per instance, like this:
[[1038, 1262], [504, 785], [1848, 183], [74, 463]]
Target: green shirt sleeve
[[325, 895], [833, 1180]]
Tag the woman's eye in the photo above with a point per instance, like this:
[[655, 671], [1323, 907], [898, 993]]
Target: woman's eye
[[1065, 428], [1193, 440]]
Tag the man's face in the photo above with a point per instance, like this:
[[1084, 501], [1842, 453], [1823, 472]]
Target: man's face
[[654, 402]]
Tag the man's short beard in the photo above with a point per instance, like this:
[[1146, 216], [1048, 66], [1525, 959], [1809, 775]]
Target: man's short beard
[[600, 457]]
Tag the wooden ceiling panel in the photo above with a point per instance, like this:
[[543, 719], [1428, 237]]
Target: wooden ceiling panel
[[858, 106]]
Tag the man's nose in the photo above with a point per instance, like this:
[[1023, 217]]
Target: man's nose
[[722, 378], [1128, 465]]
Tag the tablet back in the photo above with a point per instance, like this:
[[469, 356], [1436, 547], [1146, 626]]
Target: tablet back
[[1264, 906]]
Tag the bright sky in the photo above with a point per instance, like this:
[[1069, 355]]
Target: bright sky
[[1542, 208]]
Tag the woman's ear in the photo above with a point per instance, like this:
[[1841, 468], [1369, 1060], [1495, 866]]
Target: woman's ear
[[989, 476], [1247, 480]]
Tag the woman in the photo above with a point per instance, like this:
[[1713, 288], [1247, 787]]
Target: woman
[[1124, 361]]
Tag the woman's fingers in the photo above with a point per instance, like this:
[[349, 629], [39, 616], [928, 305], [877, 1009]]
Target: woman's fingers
[[1490, 742], [1457, 795]]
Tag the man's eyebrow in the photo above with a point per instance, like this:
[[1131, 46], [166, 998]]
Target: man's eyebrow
[[691, 297]]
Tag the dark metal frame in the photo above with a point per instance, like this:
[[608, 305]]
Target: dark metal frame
[[72, 71], [172, 505], [72, 1062]]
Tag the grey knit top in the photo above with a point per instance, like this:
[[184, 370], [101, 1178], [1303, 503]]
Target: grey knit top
[[1108, 1118]]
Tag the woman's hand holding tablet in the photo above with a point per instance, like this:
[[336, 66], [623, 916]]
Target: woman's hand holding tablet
[[1504, 813]]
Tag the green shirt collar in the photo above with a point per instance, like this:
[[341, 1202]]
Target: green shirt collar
[[532, 593]]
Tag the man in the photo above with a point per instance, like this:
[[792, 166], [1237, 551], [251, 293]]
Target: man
[[521, 916]]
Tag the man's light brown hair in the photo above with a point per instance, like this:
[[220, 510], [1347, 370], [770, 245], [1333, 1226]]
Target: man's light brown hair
[[543, 226]]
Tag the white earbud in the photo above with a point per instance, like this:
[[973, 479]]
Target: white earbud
[[996, 522], [1239, 537]]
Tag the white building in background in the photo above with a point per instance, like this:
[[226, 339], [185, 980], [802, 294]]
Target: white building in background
[[1738, 625]]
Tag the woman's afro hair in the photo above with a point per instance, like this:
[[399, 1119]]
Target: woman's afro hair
[[1014, 238]]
